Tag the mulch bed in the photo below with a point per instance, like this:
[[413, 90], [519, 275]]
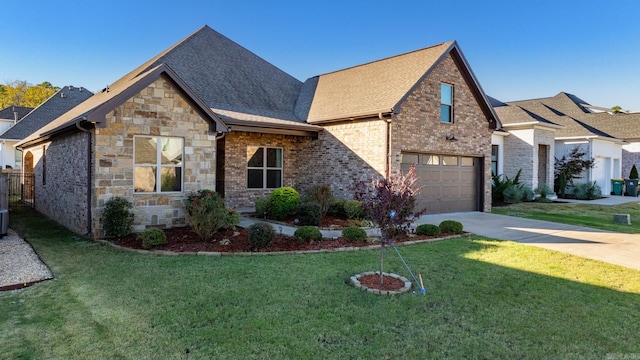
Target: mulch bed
[[183, 239]]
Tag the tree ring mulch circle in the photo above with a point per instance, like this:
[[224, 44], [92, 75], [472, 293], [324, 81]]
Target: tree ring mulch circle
[[392, 284]]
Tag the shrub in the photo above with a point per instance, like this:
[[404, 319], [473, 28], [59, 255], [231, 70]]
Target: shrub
[[633, 174], [513, 194], [354, 234], [117, 217], [499, 183], [152, 237], [428, 230], [336, 207], [322, 195], [263, 205], [527, 193], [307, 234], [284, 201], [207, 214], [353, 209], [587, 191], [569, 167], [544, 190], [260, 236], [309, 213], [451, 227]]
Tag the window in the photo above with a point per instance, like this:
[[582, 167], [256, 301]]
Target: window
[[264, 167], [466, 161], [446, 103], [450, 160], [494, 159], [431, 160], [18, 159], [157, 164], [409, 158]]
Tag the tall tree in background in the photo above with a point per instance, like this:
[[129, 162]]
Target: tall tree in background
[[21, 93]]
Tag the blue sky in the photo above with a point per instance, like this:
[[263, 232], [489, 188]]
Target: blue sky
[[517, 50]]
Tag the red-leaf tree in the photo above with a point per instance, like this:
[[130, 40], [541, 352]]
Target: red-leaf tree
[[391, 205]]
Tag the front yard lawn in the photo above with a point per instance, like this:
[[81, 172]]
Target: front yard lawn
[[485, 299], [594, 216]]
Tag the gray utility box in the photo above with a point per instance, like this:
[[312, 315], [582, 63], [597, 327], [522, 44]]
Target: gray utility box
[[4, 222]]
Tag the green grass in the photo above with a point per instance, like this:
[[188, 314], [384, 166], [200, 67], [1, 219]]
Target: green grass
[[485, 299], [595, 216]]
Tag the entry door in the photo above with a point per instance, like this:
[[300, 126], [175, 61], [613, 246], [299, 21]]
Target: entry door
[[543, 164]]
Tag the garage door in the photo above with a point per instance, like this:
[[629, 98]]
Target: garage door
[[449, 183]]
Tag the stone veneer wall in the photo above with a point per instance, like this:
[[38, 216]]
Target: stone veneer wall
[[157, 110], [63, 196], [521, 152], [417, 126]]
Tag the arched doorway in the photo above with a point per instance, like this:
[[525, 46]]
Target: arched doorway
[[28, 190], [28, 162]]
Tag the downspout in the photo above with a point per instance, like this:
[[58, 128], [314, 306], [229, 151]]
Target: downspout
[[89, 177]]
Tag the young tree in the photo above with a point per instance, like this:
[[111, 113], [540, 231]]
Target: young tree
[[391, 204], [569, 167]]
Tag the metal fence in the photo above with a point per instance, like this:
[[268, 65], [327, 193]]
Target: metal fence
[[17, 190]]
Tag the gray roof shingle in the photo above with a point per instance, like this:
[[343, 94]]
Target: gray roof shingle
[[8, 112], [59, 103]]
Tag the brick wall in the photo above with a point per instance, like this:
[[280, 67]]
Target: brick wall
[[521, 152], [156, 110], [417, 127], [235, 179], [61, 193]]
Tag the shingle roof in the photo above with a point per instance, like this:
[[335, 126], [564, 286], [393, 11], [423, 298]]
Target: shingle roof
[[622, 126], [227, 76], [8, 112], [59, 103], [370, 88], [565, 110], [95, 108]]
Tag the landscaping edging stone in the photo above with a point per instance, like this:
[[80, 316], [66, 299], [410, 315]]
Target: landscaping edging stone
[[264, 253], [355, 280]]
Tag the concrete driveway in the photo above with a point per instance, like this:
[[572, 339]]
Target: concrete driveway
[[614, 248]]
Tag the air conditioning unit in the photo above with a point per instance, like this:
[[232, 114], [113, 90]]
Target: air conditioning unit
[[4, 222]]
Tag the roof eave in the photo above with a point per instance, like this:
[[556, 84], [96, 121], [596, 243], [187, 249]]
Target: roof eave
[[364, 115]]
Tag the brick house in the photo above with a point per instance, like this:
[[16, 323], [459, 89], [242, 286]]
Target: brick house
[[548, 128], [208, 114]]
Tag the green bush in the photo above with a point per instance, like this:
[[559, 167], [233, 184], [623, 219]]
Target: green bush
[[284, 202], [309, 213], [263, 205], [587, 191], [207, 213], [307, 234], [513, 194], [354, 234], [322, 195], [117, 217], [428, 230], [260, 236], [544, 190], [633, 174], [451, 227], [353, 209], [336, 207], [152, 237]]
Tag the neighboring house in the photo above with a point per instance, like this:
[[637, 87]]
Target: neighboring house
[[9, 116], [208, 114], [59, 103], [547, 128]]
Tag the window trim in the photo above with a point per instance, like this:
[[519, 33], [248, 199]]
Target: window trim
[[158, 165], [264, 168], [448, 105]]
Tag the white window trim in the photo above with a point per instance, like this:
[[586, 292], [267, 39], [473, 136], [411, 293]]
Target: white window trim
[[264, 168], [158, 165]]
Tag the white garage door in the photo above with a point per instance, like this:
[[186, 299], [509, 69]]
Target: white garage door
[[449, 183]]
